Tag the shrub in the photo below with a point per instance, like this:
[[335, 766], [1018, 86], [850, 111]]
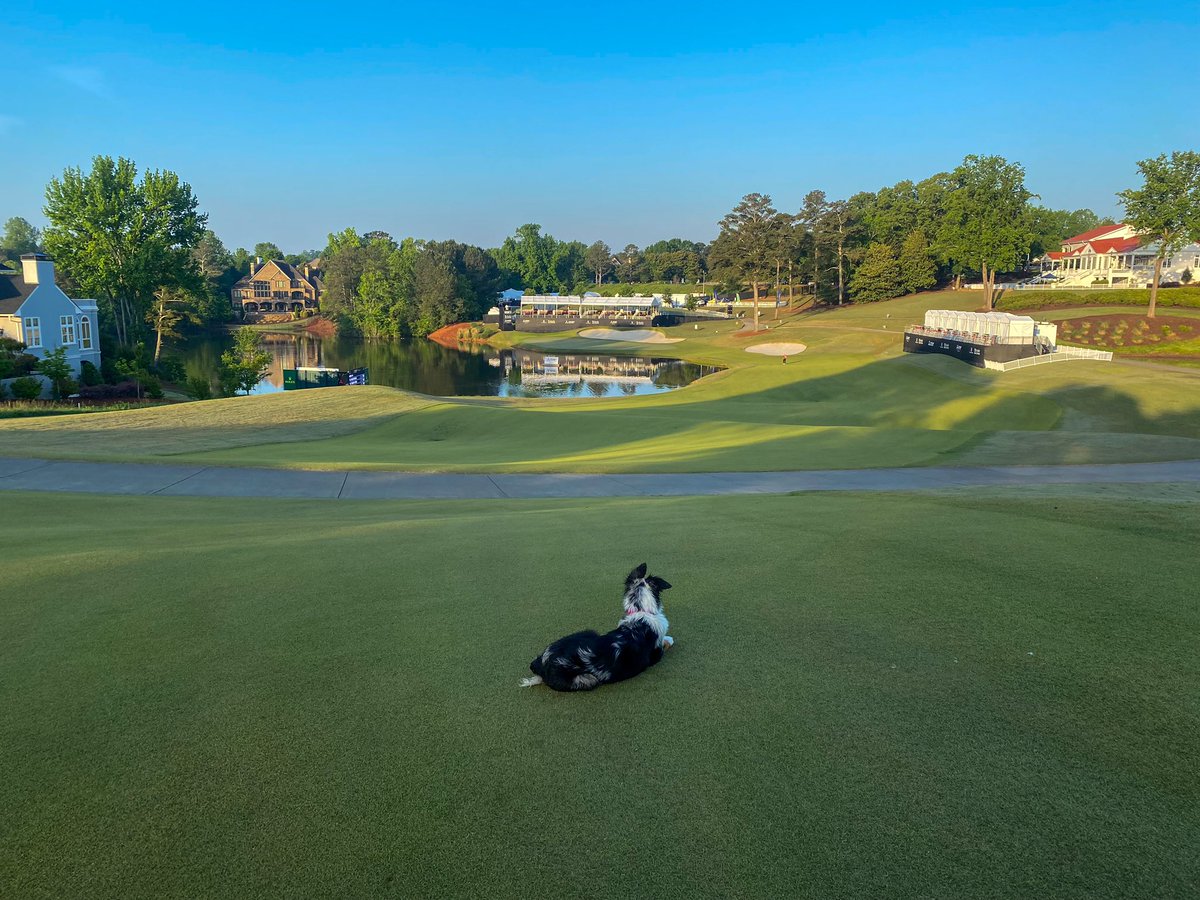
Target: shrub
[[109, 391], [171, 369], [26, 388], [88, 374], [153, 389], [24, 364], [198, 388]]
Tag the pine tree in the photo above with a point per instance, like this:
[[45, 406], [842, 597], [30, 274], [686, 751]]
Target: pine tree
[[878, 276]]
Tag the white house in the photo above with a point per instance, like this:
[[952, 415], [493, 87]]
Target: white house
[[35, 311], [1114, 254]]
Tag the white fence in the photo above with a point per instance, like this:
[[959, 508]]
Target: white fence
[[1062, 353], [1055, 286]]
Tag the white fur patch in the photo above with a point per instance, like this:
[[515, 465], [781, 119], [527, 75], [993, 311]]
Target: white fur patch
[[531, 681]]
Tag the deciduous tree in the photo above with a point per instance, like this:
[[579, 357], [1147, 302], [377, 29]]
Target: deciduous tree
[[986, 221], [599, 258], [1166, 208], [120, 238]]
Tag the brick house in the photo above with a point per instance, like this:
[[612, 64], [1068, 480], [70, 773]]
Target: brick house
[[276, 286]]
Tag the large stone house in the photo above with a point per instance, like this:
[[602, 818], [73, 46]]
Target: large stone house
[[35, 311], [276, 286]]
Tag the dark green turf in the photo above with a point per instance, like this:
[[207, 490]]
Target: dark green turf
[[872, 696]]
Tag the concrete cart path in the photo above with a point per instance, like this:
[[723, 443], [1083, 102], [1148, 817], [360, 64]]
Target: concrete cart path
[[220, 481]]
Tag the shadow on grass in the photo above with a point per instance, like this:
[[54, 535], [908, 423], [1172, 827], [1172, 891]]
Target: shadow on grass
[[900, 411]]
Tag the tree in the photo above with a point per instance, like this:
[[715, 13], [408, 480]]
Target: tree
[[747, 242], [244, 364], [1048, 228], [599, 260], [986, 222], [838, 225], [629, 264], [917, 268], [120, 238], [219, 270], [171, 306], [267, 250], [812, 218], [1166, 209], [19, 237], [530, 257], [54, 366], [878, 276]]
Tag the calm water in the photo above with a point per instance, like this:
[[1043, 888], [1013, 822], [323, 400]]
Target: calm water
[[482, 371]]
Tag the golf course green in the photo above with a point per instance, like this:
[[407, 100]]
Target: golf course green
[[945, 694]]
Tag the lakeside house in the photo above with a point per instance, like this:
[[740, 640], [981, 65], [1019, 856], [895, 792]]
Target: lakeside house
[[276, 286], [1115, 255], [35, 311]]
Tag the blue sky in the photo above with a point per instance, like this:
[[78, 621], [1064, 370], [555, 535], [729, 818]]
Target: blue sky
[[624, 122]]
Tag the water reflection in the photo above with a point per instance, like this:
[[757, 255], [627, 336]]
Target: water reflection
[[478, 371]]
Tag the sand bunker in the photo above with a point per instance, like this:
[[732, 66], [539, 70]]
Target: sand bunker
[[776, 349], [634, 335]]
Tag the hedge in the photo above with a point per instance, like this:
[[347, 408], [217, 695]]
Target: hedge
[[1175, 296]]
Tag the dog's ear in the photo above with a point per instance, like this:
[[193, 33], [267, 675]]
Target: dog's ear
[[660, 584], [636, 574]]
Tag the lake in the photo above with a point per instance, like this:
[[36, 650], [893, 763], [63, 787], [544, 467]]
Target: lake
[[430, 368]]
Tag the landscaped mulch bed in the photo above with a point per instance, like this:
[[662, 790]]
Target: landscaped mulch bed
[[1120, 331]]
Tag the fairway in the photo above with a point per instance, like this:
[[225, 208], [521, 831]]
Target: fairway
[[948, 694], [850, 400]]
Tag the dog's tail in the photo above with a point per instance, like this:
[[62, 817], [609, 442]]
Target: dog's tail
[[530, 681]]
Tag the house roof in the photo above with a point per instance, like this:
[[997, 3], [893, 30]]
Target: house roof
[[1094, 233], [1116, 245], [287, 269], [13, 291]]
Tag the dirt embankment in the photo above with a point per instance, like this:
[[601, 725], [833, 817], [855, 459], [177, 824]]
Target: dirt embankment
[[320, 327], [453, 336]]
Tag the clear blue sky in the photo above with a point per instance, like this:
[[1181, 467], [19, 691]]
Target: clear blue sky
[[625, 122]]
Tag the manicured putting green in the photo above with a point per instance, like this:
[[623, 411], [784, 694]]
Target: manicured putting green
[[941, 695]]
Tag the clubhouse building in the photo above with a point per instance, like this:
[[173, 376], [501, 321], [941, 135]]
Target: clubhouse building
[[1114, 255]]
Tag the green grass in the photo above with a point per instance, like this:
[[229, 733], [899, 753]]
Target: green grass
[[852, 399], [956, 695]]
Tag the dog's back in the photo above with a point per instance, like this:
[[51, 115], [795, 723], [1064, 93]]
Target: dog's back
[[586, 660]]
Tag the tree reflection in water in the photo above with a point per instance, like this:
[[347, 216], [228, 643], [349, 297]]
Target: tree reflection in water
[[430, 368]]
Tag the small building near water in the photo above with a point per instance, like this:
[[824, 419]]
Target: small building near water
[[552, 312]]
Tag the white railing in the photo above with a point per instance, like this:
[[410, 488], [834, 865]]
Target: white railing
[[1062, 353], [1056, 286]]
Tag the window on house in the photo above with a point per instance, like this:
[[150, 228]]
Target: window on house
[[33, 332], [262, 289], [66, 325], [85, 333]]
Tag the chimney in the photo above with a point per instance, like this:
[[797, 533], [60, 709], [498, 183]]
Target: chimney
[[254, 264], [307, 271], [37, 268]]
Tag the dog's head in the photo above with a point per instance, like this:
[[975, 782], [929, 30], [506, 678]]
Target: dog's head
[[643, 593]]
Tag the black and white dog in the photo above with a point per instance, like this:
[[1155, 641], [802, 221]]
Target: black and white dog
[[586, 660]]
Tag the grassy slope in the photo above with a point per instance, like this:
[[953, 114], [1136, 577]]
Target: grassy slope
[[851, 400], [299, 705]]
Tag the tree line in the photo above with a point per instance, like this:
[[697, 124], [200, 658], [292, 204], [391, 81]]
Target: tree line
[[140, 245]]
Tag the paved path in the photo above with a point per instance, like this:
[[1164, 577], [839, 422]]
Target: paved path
[[218, 481]]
